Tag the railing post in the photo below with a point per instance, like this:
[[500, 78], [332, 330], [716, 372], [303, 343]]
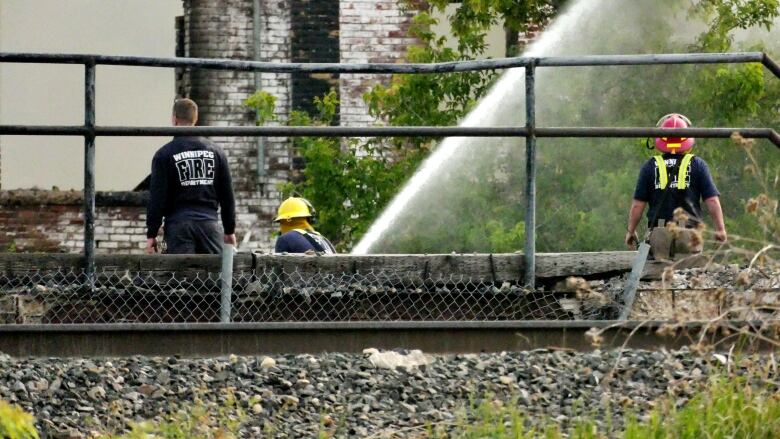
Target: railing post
[[226, 282], [530, 175], [257, 45], [89, 169]]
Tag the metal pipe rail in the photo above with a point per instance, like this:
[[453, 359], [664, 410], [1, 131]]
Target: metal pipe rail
[[209, 339], [89, 130], [411, 68], [396, 131]]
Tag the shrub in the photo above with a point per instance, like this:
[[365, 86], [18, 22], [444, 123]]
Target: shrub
[[15, 423]]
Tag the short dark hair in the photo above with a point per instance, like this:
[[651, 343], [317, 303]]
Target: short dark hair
[[185, 110]]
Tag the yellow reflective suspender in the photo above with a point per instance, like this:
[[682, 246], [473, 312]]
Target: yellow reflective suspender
[[686, 162], [663, 176], [661, 165]]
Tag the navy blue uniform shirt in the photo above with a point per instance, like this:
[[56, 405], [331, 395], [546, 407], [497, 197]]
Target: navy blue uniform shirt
[[699, 186], [295, 242], [190, 182]]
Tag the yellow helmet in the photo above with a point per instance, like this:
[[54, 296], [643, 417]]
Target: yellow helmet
[[295, 207]]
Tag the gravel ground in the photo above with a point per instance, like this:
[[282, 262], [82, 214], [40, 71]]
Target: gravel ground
[[353, 395]]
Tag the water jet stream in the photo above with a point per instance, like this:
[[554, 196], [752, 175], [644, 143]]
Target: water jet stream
[[481, 115], [435, 200]]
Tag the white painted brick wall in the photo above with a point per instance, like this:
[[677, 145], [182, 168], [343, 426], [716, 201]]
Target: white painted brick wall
[[371, 31], [225, 30]]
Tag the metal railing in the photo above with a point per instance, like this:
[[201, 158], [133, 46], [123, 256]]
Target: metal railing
[[90, 131]]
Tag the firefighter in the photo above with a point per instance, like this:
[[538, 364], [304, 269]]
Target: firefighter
[[675, 179], [296, 217], [191, 187]]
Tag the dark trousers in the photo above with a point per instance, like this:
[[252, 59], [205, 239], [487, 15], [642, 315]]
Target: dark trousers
[[193, 237]]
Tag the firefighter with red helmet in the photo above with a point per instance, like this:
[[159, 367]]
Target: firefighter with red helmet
[[674, 179]]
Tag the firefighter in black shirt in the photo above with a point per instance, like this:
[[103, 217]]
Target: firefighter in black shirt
[[685, 176], [190, 185]]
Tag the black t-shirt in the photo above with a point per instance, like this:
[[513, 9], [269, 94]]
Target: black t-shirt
[[190, 181], [699, 186]]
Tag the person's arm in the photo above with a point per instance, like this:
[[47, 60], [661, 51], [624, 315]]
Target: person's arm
[[281, 245], [227, 201], [713, 206], [634, 215], [158, 190], [711, 196]]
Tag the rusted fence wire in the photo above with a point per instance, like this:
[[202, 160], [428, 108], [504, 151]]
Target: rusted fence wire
[[66, 296]]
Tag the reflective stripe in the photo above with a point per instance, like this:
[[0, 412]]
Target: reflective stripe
[[661, 165], [686, 163], [663, 176]]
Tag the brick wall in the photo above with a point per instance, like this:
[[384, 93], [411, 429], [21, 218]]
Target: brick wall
[[528, 37], [275, 22], [52, 221], [290, 30], [225, 29], [371, 31]]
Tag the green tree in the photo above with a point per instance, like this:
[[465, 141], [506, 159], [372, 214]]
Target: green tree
[[348, 183], [584, 185]]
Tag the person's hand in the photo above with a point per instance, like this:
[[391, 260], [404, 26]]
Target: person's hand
[[151, 246], [230, 239], [631, 240], [721, 236]]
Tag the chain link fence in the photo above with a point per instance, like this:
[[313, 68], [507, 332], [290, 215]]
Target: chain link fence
[[275, 295], [305, 293]]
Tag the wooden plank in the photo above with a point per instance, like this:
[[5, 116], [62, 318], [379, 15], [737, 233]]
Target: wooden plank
[[304, 265], [397, 269], [551, 265], [25, 262], [447, 267], [498, 267], [211, 263], [403, 268], [22, 262]]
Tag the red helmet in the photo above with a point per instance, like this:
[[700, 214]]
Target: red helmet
[[674, 145]]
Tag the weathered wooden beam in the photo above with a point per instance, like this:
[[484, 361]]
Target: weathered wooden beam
[[496, 267], [403, 268], [551, 265]]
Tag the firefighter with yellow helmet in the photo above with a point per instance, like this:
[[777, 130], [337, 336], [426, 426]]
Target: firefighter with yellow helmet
[[675, 179], [296, 217]]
